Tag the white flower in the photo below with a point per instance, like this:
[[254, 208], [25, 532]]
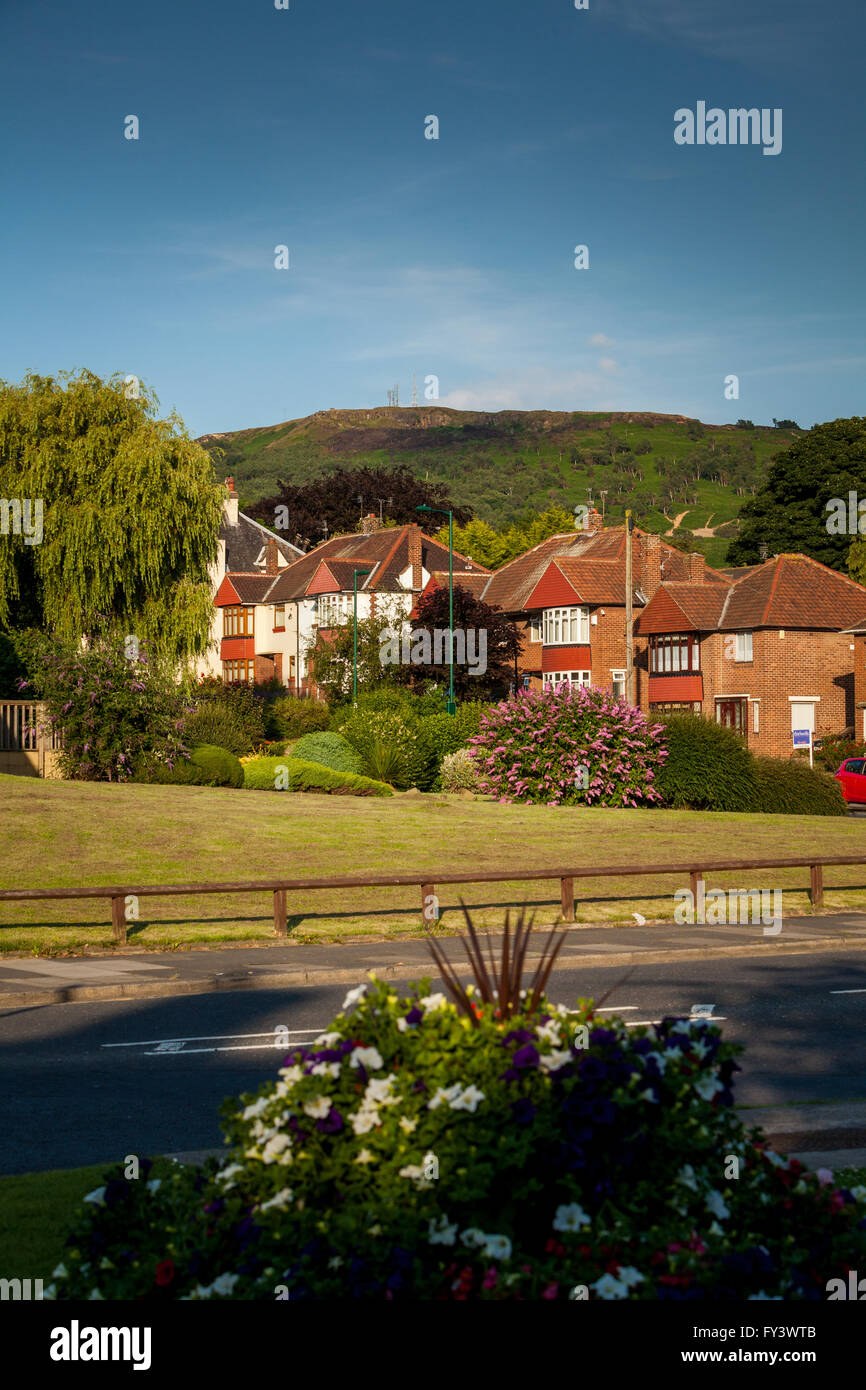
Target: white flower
[[776, 1159], [276, 1146], [467, 1100], [224, 1284], [416, 1173], [353, 996], [472, 1236], [552, 1061], [154, 1185], [408, 1125], [374, 1230], [402, 1025], [50, 1292], [550, 1031], [326, 1069], [708, 1087], [441, 1232], [648, 1094], [607, 1287], [447, 1094], [290, 1075], [628, 1275], [257, 1108], [433, 1001], [317, 1109], [96, 1196], [368, 1057], [365, 1157], [281, 1200], [365, 1120], [61, 1272], [716, 1205], [687, 1177], [334, 1262], [859, 1194], [328, 1039], [570, 1218], [660, 1059], [379, 1092], [764, 1297], [228, 1173], [715, 1229], [497, 1247], [95, 1295]]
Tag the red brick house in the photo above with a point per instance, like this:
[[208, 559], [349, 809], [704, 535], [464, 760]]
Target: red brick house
[[568, 596], [767, 651]]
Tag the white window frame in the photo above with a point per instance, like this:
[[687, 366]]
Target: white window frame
[[551, 679], [616, 677], [566, 627], [536, 629], [744, 648]]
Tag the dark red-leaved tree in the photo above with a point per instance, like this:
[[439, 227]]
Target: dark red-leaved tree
[[489, 650]]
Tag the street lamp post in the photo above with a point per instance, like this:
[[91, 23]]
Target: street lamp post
[[452, 703], [355, 623]]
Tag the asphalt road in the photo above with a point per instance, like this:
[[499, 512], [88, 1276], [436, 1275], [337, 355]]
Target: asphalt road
[[91, 1083]]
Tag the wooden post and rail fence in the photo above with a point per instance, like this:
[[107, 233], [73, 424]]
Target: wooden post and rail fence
[[427, 883]]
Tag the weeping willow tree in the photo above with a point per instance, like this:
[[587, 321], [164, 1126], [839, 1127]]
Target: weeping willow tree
[[108, 515]]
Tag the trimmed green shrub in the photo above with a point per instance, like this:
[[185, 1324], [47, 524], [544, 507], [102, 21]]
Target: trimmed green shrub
[[448, 732], [331, 750], [419, 1151], [220, 723], [294, 775], [787, 786], [392, 698], [295, 717], [221, 768], [384, 761], [708, 767], [459, 773], [206, 767]]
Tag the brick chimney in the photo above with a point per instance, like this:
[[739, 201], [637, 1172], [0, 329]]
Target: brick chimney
[[369, 524], [272, 560], [593, 521], [697, 565], [230, 505], [415, 555], [649, 563]]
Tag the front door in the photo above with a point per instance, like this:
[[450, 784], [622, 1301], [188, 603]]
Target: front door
[[733, 714]]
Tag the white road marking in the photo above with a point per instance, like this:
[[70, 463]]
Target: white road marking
[[216, 1037], [848, 991]]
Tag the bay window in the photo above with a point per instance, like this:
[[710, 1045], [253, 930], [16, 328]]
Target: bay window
[[565, 627], [672, 653]]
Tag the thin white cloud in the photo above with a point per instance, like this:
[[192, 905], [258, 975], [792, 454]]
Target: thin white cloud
[[601, 340]]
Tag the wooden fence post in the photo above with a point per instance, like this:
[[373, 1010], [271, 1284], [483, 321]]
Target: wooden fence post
[[816, 885], [118, 919], [280, 912], [567, 885], [428, 890], [696, 877]]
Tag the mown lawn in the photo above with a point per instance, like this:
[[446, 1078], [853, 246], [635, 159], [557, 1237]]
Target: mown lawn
[[69, 834]]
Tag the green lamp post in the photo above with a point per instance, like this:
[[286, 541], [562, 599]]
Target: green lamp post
[[452, 703], [355, 642]]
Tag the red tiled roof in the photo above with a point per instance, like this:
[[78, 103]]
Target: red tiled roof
[[387, 549], [243, 588], [794, 591]]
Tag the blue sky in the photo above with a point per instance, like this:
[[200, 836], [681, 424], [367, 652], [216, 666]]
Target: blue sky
[[454, 256]]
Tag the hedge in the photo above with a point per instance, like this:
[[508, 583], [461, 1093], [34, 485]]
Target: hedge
[[262, 775], [330, 750], [295, 717], [786, 786], [207, 767], [708, 767]]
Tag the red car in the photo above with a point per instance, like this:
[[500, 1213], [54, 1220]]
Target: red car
[[852, 775]]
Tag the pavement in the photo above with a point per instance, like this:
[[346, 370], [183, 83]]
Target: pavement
[[129, 972]]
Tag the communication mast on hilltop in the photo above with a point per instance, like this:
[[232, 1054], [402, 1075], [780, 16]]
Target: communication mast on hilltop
[[414, 389], [394, 395]]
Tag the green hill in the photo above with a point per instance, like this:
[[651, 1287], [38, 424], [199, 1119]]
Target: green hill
[[668, 468]]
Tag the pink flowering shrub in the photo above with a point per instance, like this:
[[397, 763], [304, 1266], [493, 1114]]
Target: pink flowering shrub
[[571, 746]]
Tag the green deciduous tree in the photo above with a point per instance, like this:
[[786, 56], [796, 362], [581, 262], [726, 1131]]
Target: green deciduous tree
[[128, 512], [790, 511]]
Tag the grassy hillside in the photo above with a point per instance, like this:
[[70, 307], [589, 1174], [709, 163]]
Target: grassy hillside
[[666, 467]]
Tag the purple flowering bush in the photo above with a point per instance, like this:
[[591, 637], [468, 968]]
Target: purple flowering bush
[[112, 710], [415, 1152], [535, 746]]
